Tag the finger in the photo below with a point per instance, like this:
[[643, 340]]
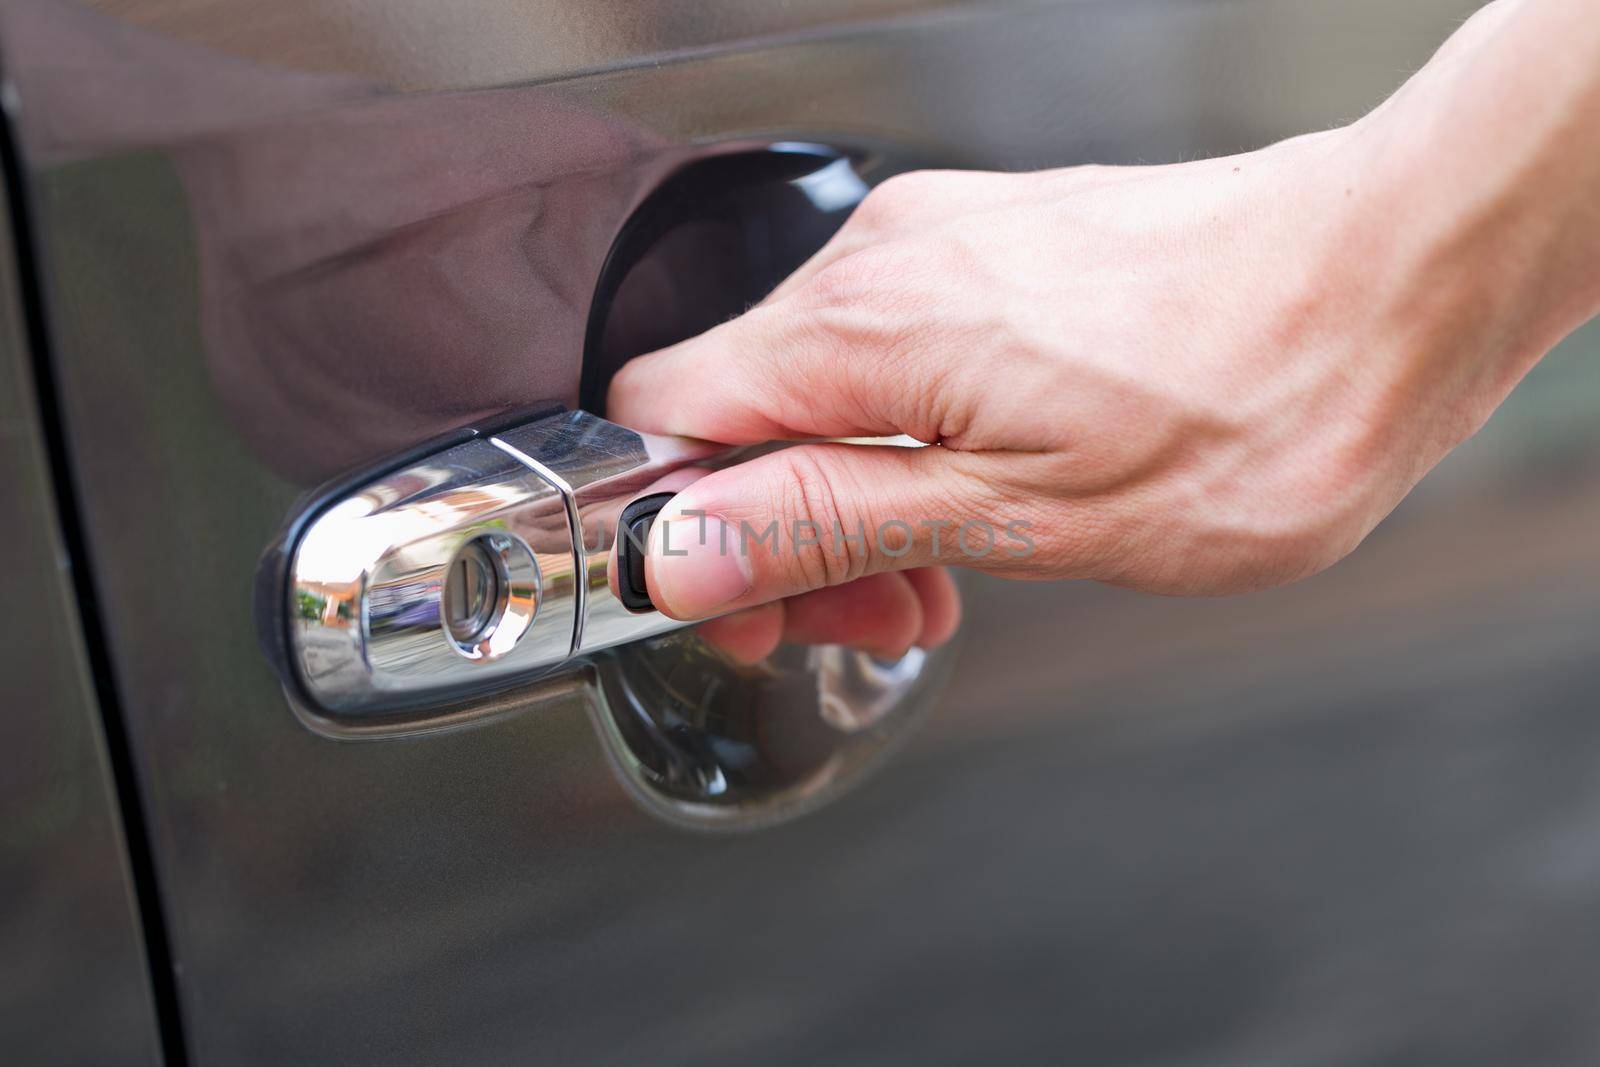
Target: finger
[[815, 516], [864, 339], [941, 604], [880, 614], [872, 614], [777, 372], [748, 636], [869, 348]]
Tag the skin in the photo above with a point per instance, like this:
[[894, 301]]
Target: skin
[[1199, 379]]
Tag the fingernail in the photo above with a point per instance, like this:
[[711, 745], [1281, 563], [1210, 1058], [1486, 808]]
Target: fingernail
[[698, 567]]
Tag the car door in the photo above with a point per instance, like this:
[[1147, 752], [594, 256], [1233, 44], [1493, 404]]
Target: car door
[[1349, 821]]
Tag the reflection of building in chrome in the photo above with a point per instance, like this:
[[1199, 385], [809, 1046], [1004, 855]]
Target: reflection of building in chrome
[[405, 603], [328, 603]]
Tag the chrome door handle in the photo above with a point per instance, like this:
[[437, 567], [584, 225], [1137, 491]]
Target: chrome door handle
[[417, 598], [472, 569]]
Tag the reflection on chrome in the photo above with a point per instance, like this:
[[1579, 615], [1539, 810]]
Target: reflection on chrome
[[368, 626], [708, 744], [855, 692], [604, 466], [368, 581]]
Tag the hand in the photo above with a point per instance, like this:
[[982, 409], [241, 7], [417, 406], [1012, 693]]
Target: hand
[[1204, 378]]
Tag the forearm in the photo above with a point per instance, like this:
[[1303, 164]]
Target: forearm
[[1484, 195]]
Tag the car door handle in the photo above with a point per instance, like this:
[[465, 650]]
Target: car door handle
[[471, 577], [472, 569]]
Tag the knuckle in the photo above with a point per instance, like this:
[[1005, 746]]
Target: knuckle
[[842, 284], [814, 502], [888, 201], [873, 291], [862, 323], [907, 196]]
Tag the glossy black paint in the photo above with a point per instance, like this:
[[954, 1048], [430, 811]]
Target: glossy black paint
[[1351, 821]]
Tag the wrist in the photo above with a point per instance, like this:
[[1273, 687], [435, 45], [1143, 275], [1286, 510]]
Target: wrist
[[1457, 277]]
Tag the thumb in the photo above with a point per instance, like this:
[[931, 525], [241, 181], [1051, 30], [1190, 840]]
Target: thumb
[[821, 515]]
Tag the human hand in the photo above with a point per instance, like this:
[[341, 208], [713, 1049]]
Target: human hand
[[1197, 379]]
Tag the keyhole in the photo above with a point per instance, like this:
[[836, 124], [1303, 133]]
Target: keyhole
[[471, 594]]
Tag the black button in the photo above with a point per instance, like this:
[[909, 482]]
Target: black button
[[633, 540]]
